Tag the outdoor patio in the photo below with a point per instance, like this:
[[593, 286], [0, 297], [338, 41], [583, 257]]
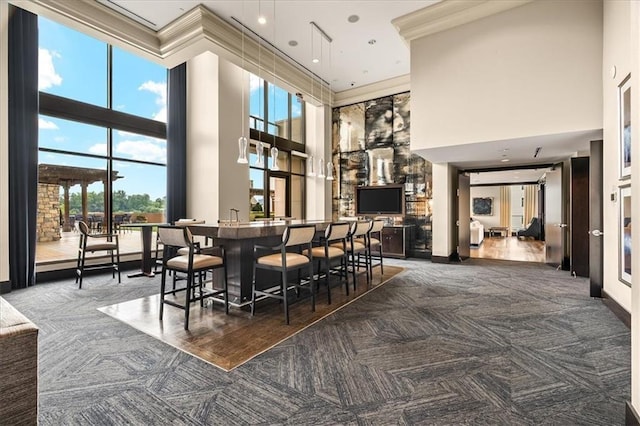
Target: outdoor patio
[[66, 248]]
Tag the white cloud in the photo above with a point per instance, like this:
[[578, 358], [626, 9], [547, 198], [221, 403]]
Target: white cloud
[[59, 139], [98, 149], [255, 83], [161, 115], [145, 150], [46, 125], [47, 75], [160, 90]]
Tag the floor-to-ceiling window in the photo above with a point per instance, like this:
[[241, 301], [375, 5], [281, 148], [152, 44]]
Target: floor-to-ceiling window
[[102, 140], [277, 177]]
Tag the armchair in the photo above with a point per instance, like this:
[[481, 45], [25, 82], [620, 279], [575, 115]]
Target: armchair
[[532, 230]]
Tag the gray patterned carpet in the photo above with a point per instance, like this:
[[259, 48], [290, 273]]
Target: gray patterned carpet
[[485, 342]]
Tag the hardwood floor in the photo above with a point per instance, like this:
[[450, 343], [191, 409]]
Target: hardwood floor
[[510, 248], [228, 341]]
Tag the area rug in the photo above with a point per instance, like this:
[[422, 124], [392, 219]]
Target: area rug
[[228, 341]]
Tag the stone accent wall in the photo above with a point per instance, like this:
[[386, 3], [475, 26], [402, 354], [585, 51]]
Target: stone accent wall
[[48, 221]]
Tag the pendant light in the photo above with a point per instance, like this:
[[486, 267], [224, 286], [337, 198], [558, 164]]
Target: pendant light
[[274, 150], [242, 140], [329, 170], [260, 146], [259, 153], [321, 168], [310, 173]]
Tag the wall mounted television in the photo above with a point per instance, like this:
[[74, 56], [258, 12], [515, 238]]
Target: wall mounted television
[[387, 200]]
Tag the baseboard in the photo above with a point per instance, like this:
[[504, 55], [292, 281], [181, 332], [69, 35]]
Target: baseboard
[[617, 309], [630, 416], [452, 258], [61, 274], [5, 287]]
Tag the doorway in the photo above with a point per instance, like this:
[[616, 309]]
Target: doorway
[[505, 214], [279, 196]]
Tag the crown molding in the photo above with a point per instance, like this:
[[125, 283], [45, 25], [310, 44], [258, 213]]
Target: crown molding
[[449, 14], [197, 31], [379, 89], [97, 20], [201, 30]]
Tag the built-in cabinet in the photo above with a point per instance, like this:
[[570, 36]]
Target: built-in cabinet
[[397, 241]]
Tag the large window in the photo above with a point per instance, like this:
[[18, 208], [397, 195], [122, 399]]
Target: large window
[[275, 112], [276, 117], [102, 140]]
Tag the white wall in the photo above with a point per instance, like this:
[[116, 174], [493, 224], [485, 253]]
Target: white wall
[[4, 142], [635, 208], [617, 52], [532, 70], [483, 192]]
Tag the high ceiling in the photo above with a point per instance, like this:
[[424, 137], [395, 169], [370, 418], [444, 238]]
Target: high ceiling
[[365, 48], [361, 52]]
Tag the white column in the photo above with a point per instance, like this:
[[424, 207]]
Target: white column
[[443, 219], [215, 182], [318, 143]]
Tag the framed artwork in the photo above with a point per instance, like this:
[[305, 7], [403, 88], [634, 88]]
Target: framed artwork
[[624, 131], [625, 235], [483, 206]]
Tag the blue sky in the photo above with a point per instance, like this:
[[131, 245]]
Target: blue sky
[[74, 65]]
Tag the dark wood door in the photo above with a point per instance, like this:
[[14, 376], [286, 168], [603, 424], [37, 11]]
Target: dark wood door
[[554, 226], [595, 219], [579, 235], [464, 215]]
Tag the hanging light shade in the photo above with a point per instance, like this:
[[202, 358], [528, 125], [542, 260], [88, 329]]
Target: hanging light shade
[[311, 172], [274, 159], [242, 140], [321, 168], [260, 154], [329, 171], [242, 150]]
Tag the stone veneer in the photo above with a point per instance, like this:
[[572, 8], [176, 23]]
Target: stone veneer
[[48, 222]]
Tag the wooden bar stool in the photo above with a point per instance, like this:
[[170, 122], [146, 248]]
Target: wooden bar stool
[[193, 264], [287, 257], [99, 242], [333, 245]]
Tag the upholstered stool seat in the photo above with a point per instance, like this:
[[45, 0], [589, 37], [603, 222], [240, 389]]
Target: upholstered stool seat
[[332, 247], [293, 254], [91, 243], [193, 263]]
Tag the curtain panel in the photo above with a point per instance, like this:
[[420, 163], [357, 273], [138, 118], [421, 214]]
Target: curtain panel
[[530, 203], [177, 143], [505, 208], [23, 146]]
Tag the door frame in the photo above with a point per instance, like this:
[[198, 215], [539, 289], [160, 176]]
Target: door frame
[[287, 178]]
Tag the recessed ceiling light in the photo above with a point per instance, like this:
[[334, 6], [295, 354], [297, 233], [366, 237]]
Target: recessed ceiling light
[[365, 71], [262, 20], [315, 60], [505, 160], [293, 43], [353, 19], [372, 41]]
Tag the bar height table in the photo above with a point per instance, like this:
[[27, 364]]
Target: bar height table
[[147, 263]]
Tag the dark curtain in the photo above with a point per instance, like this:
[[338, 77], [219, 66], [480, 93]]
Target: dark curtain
[[177, 143], [23, 146]]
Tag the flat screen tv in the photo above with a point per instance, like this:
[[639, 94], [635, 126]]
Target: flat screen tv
[[387, 200]]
